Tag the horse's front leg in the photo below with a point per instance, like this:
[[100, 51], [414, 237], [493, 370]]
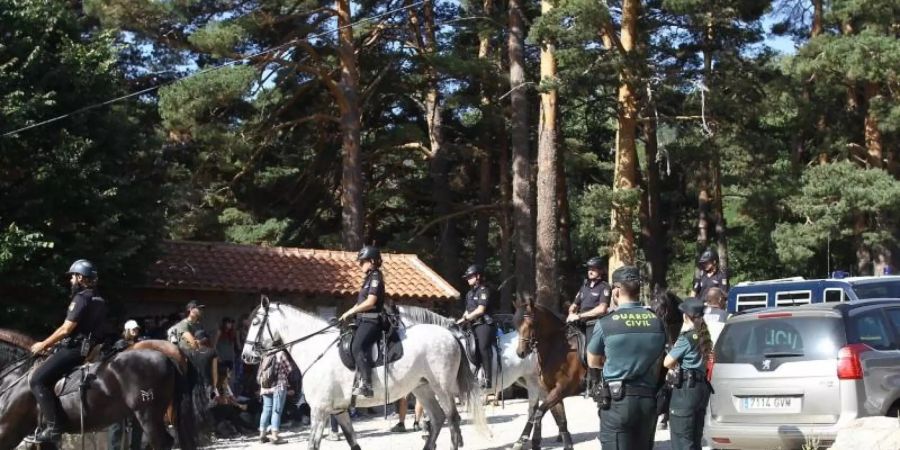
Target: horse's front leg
[[346, 425], [318, 419], [559, 415]]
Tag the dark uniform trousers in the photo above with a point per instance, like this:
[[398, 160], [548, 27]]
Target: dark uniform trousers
[[484, 335], [368, 332], [686, 415], [628, 424], [43, 379]]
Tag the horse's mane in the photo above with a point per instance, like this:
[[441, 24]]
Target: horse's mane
[[419, 315], [20, 340], [520, 314]]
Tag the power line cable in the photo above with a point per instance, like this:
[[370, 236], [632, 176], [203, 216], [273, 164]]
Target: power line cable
[[205, 71]]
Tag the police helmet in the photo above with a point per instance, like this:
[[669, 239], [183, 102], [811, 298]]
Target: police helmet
[[708, 256], [473, 270], [84, 268], [594, 263], [369, 252]]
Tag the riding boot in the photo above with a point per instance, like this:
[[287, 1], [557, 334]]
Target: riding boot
[[50, 430], [364, 388]]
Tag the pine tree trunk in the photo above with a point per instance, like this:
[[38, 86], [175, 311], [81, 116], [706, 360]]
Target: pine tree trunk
[[485, 191], [874, 146], [547, 207], [625, 174], [817, 20], [721, 231], [653, 234], [506, 227], [449, 266], [522, 193], [352, 206]]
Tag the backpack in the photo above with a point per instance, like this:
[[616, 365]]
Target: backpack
[[268, 371]]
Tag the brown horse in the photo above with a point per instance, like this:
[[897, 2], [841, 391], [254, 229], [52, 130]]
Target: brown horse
[[561, 370], [140, 383]]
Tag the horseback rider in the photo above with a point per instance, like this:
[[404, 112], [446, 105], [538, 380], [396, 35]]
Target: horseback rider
[[184, 333], [368, 310], [478, 313], [709, 275], [592, 300], [75, 337]]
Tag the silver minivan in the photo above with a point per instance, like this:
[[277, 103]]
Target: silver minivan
[[787, 378]]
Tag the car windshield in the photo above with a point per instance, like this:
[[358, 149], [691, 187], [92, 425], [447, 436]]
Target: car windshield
[[792, 338], [878, 289]]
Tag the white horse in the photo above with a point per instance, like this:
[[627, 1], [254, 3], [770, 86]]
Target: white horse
[[432, 368], [524, 372]]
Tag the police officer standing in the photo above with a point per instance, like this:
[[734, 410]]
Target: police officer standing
[[690, 390], [592, 300], [368, 311], [75, 337], [478, 313], [626, 352], [709, 275]]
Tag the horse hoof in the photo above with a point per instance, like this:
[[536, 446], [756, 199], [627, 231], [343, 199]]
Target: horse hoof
[[517, 446]]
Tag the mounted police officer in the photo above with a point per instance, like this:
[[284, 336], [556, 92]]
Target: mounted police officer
[[626, 353], [709, 275], [592, 300], [368, 311], [478, 313], [690, 390], [73, 340]]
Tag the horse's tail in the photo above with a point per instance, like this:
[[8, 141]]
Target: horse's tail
[[190, 407], [468, 387]]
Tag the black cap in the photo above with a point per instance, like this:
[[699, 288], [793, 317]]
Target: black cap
[[473, 270], [595, 262], [626, 273], [201, 335], [193, 304], [692, 306]]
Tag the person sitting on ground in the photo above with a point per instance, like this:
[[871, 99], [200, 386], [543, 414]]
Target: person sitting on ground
[[228, 412]]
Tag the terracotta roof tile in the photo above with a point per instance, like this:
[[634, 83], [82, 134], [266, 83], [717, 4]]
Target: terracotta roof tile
[[250, 268]]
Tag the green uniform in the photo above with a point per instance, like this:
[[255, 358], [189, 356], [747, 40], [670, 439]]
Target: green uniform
[[633, 340], [178, 330], [688, 406]]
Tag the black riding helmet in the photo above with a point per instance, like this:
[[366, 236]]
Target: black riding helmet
[[84, 268], [594, 263], [473, 270], [369, 252], [707, 256]]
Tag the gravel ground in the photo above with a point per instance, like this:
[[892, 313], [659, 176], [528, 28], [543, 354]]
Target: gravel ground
[[506, 424]]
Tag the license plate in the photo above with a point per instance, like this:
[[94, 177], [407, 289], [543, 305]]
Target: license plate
[[783, 405]]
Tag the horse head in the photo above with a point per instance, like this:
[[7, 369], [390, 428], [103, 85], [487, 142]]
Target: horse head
[[525, 324], [262, 334]]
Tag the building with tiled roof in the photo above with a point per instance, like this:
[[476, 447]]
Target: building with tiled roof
[[229, 279]]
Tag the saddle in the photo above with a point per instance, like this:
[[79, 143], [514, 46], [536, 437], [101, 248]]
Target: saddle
[[470, 347], [575, 335], [394, 347], [76, 381]]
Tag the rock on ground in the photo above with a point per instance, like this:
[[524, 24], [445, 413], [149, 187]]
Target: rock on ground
[[869, 433]]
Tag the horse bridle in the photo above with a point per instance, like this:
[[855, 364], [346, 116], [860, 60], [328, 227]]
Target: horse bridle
[[531, 342], [257, 342]]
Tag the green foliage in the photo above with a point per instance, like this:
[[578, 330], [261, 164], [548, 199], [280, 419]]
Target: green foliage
[[831, 202]]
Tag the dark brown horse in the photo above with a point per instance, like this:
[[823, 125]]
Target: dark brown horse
[[544, 332], [139, 383]]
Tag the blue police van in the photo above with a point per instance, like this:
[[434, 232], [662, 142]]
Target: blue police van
[[800, 291]]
